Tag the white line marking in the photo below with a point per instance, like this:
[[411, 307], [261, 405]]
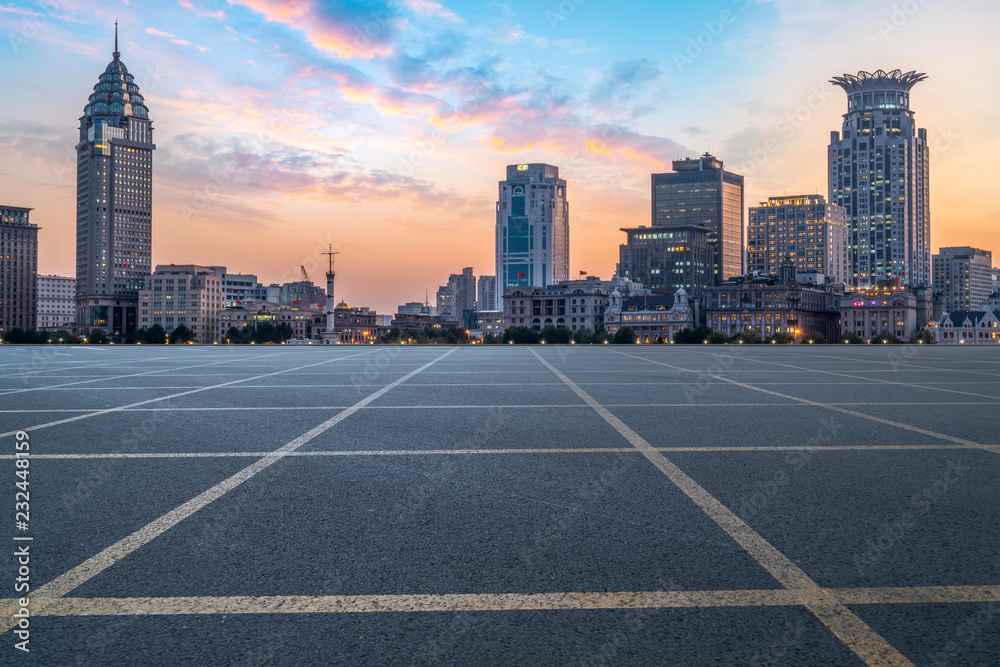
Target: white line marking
[[96, 564]]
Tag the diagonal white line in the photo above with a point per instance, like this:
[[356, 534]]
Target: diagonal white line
[[121, 408], [96, 564], [847, 626]]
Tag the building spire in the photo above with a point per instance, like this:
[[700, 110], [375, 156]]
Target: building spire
[[116, 54]]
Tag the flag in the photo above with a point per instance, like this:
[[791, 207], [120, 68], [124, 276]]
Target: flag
[[583, 273], [239, 303], [522, 275]]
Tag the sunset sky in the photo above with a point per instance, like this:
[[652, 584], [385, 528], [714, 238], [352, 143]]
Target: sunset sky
[[383, 127]]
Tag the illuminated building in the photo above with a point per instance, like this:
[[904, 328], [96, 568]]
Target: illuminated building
[[964, 276], [878, 171], [884, 309], [700, 192], [18, 269], [56, 303], [665, 260], [652, 318], [532, 231], [114, 202], [804, 227]]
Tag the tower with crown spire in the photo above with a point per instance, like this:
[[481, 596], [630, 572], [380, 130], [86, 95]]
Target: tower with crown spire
[[114, 203]]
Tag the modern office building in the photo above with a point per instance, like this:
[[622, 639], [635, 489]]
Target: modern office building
[[486, 294], [183, 294], [667, 259], [964, 275], [56, 303], [18, 269], [114, 204], [700, 192], [813, 233], [879, 172], [532, 232]]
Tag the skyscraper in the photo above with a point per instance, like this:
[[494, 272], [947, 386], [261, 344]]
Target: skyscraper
[[532, 233], [701, 192], [114, 202], [486, 294], [18, 269], [878, 170], [813, 233], [964, 275]]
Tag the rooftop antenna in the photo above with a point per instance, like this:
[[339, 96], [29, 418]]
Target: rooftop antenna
[[116, 54]]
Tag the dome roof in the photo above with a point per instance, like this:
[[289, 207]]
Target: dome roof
[[116, 93], [342, 304]]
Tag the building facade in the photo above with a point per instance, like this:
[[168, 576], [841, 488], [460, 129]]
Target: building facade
[[969, 328], [459, 295], [56, 303], [884, 309], [653, 318], [574, 304], [665, 260], [114, 210], [766, 306], [700, 192], [964, 275], [813, 233], [358, 326], [18, 269], [879, 171], [486, 294], [185, 294], [306, 323], [532, 231], [240, 288]]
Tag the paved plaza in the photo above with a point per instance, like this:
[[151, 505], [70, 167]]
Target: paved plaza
[[606, 505]]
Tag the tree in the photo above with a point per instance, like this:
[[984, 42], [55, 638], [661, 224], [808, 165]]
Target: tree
[[583, 336], [782, 338], [717, 338], [625, 336], [851, 338], [156, 335], [492, 339], [601, 336], [181, 335], [137, 336], [748, 338], [814, 338], [522, 336], [97, 337], [556, 336], [923, 337], [696, 336], [394, 335], [887, 338]]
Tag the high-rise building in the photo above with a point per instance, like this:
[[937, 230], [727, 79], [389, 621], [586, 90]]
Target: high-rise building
[[964, 276], [18, 269], [187, 294], [114, 203], [665, 260], [804, 227], [532, 233], [878, 171], [486, 294], [56, 303], [458, 295], [702, 193]]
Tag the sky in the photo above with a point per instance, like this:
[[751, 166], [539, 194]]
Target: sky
[[383, 126]]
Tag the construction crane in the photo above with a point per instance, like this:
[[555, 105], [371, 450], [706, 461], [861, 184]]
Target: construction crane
[[305, 276]]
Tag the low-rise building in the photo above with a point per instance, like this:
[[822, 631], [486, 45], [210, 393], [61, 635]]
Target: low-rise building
[[574, 304], [186, 294], [885, 309], [306, 323], [980, 327], [652, 318], [768, 306], [357, 326], [56, 303]]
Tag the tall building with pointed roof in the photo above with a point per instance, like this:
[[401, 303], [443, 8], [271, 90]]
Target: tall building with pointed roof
[[114, 206]]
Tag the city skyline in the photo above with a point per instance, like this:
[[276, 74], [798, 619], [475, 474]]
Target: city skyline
[[374, 120]]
